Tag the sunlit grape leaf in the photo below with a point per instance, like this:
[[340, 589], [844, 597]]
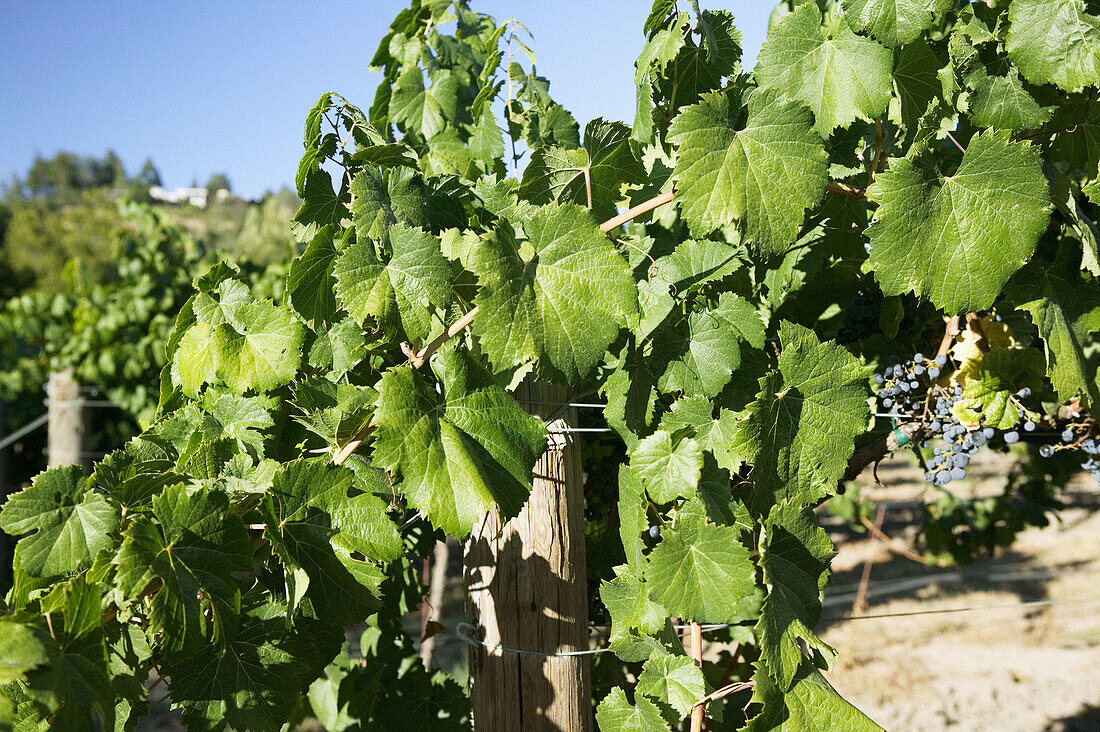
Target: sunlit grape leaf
[[632, 516], [703, 573], [1002, 101], [310, 283], [674, 276], [616, 714], [559, 298], [339, 348], [626, 598], [1065, 307], [842, 77], [892, 22], [957, 239], [265, 355], [672, 683], [1056, 42], [799, 433], [764, 171], [668, 465], [593, 172], [460, 451], [67, 522], [810, 704], [423, 110], [185, 553], [794, 554], [698, 354], [415, 278]]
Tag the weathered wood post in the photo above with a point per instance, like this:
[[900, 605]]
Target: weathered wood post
[[65, 438], [527, 588]]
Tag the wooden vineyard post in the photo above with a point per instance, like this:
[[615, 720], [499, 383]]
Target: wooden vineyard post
[[65, 437], [527, 588]]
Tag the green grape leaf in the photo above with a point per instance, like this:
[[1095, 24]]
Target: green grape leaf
[[698, 354], [811, 703], [1001, 101], [340, 348], [668, 465], [616, 714], [660, 50], [673, 684], [22, 649], [794, 554], [703, 573], [892, 22], [1055, 42], [559, 298], [800, 431], [842, 77], [1065, 307], [1076, 145], [957, 239], [321, 205], [458, 452], [699, 66], [308, 510], [253, 680], [68, 523], [448, 153], [672, 277], [423, 110], [632, 517], [594, 172], [765, 172], [185, 553], [487, 140], [627, 601], [309, 283], [253, 346], [916, 82], [415, 278], [265, 355]]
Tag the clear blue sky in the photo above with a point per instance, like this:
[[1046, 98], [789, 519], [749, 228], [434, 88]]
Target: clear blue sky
[[204, 87]]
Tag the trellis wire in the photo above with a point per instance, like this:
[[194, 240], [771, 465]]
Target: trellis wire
[[465, 631], [25, 430]]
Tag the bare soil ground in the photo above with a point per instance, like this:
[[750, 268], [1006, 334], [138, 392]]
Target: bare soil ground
[[1006, 666]]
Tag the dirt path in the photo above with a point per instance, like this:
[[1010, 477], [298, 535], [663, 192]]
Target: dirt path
[[999, 668]]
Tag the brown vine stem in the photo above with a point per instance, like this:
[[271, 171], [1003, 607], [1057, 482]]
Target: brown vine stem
[[421, 357], [844, 189], [698, 710], [724, 692], [950, 331], [345, 452], [633, 213]]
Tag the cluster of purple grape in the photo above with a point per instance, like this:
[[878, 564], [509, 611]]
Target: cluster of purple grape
[[908, 392], [1091, 448]]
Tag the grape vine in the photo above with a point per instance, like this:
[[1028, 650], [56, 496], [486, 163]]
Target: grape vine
[[926, 166]]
